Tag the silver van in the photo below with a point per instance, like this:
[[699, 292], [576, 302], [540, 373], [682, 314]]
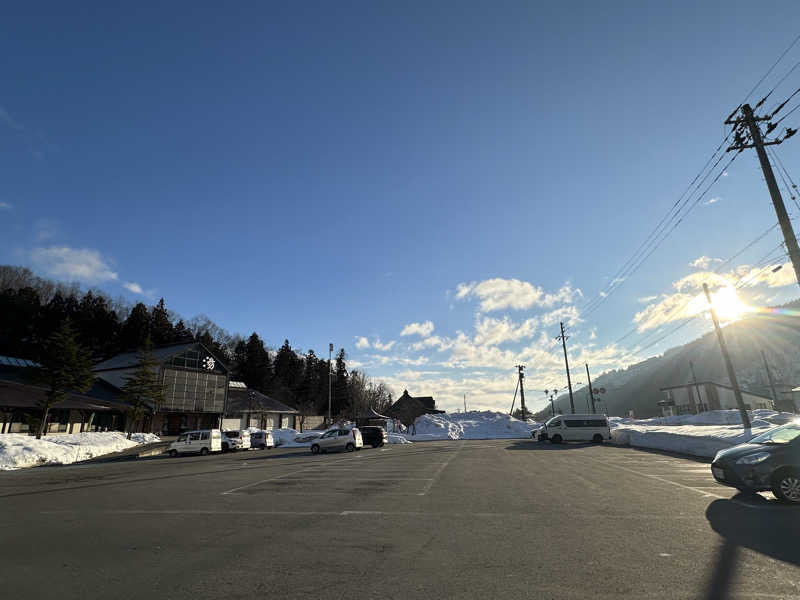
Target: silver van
[[576, 428]]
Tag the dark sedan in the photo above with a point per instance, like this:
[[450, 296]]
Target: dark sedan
[[768, 462]]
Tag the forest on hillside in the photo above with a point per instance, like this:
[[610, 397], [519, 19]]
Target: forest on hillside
[[32, 308]]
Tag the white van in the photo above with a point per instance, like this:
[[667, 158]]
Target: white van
[[202, 441], [576, 428], [235, 440]]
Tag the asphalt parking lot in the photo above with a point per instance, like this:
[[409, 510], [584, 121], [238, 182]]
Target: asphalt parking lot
[[467, 519]]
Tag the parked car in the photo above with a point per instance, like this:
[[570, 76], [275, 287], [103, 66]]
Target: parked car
[[576, 428], [262, 439], [202, 441], [768, 462], [235, 440], [338, 439], [374, 436]]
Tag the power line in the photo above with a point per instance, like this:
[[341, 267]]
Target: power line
[[775, 64]]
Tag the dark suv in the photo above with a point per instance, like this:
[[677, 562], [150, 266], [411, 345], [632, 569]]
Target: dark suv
[[770, 461], [374, 436]]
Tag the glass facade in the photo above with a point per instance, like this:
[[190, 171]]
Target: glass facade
[[193, 391]]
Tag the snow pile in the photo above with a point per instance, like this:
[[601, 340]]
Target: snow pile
[[473, 425], [19, 450], [396, 438], [699, 435]]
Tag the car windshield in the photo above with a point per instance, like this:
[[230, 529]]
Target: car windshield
[[780, 435]]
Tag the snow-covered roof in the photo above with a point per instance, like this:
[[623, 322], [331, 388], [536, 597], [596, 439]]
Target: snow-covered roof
[[237, 384], [11, 361]]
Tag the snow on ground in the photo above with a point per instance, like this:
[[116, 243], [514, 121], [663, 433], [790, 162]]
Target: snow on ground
[[699, 435], [18, 450], [472, 425]]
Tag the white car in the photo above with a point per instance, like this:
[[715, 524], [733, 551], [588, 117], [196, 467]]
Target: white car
[[338, 439], [262, 439], [576, 428], [235, 440], [202, 442]]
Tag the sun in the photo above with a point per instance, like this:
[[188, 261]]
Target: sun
[[726, 302]]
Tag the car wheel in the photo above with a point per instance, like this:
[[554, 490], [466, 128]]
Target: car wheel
[[350, 447], [597, 439], [315, 449], [270, 447], [381, 444], [225, 447], [376, 445], [556, 439], [786, 486], [173, 453], [203, 451]]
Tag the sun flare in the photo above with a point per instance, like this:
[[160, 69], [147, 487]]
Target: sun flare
[[726, 302]]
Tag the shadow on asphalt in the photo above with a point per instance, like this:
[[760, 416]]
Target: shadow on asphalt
[[768, 527], [534, 445]]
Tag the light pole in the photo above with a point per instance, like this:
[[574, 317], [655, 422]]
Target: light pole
[[330, 353]]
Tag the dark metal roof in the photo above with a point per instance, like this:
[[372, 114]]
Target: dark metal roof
[[161, 353], [14, 394], [131, 359], [239, 401], [11, 361]]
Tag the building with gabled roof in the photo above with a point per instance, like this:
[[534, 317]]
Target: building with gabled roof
[[195, 386], [250, 408], [407, 408]]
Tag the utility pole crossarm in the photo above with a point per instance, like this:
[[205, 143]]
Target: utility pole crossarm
[[750, 121]]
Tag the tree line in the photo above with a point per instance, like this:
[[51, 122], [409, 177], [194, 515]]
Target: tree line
[[33, 310]]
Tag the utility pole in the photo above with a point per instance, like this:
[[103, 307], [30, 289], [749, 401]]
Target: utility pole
[[771, 381], [330, 353], [591, 392], [696, 387], [465, 403], [564, 339], [728, 364], [520, 368], [756, 141]]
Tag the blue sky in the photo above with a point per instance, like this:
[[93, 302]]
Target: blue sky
[[339, 171]]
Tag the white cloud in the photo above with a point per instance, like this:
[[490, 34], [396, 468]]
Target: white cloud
[[134, 287], [6, 206], [420, 329], [498, 294], [362, 343], [74, 264], [713, 200], [384, 346], [646, 299], [704, 262], [493, 331], [433, 342]]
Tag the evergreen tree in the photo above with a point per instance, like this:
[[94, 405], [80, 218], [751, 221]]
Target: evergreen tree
[[143, 390], [341, 396], [136, 328], [256, 366], [97, 325], [161, 328], [66, 366], [182, 333], [20, 316], [288, 370]]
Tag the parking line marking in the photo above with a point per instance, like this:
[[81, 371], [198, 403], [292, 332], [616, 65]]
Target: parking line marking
[[656, 477], [439, 471]]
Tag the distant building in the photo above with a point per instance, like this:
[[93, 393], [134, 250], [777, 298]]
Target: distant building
[[407, 409], [691, 398], [195, 386], [250, 408]]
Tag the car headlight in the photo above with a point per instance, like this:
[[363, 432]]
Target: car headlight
[[752, 459]]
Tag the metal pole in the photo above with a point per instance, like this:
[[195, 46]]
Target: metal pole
[[774, 191], [465, 403], [591, 392], [563, 339], [330, 352], [696, 386], [728, 364], [522, 390]]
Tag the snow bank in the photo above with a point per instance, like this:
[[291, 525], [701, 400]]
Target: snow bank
[[18, 450], [473, 425], [396, 438], [698, 435]]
